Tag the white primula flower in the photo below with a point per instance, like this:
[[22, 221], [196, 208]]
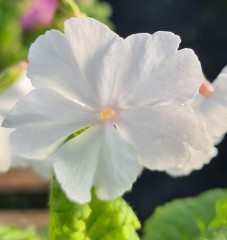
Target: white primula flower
[[211, 107], [133, 93], [8, 158], [8, 98]]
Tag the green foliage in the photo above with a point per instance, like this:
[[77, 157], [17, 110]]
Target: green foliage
[[10, 75], [98, 220], [99, 10], [13, 233], [15, 41], [11, 48], [200, 218], [221, 214]]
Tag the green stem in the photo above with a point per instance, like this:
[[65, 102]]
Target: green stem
[[74, 7], [97, 220]]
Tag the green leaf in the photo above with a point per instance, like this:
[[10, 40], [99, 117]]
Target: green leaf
[[218, 234], [221, 214], [202, 218], [97, 220]]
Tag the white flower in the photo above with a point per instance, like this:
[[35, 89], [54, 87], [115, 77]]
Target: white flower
[[7, 100], [134, 93], [211, 108], [8, 158]]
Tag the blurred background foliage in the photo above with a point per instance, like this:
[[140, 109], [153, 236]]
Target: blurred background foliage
[[15, 38]]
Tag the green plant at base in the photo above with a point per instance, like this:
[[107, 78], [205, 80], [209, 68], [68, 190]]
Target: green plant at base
[[97, 220], [196, 218]]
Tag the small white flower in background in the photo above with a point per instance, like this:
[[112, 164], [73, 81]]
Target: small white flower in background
[[8, 158], [133, 93], [7, 100], [211, 108]]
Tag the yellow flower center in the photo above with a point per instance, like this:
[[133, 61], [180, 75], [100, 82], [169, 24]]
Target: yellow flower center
[[107, 113]]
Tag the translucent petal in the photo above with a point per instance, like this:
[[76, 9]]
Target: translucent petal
[[98, 157], [75, 164], [161, 134], [118, 168], [8, 98], [43, 167], [98, 52], [154, 71], [215, 115], [213, 109], [43, 120], [220, 84], [224, 70], [197, 160], [52, 65], [5, 155]]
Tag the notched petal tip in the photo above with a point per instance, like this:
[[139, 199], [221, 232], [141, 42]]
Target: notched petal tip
[[168, 36]]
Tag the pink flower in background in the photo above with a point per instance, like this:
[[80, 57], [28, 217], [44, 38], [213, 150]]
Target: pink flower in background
[[40, 12]]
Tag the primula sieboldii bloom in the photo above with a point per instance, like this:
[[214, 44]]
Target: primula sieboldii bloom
[[7, 100], [211, 108], [8, 158], [133, 93]]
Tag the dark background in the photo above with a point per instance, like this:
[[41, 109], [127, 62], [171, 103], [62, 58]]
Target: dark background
[[202, 26]]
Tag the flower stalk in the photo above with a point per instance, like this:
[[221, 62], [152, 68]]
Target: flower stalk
[[95, 220]]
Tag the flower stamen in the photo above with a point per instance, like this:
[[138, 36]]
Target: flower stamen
[[107, 113]]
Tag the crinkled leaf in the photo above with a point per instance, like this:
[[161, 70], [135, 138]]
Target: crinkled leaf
[[98, 220], [217, 228], [190, 218], [218, 234], [220, 219]]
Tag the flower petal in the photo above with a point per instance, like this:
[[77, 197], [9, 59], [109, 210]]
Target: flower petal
[[161, 134], [41, 127], [198, 159], [224, 70], [10, 96], [98, 52], [100, 157], [43, 167], [7, 99], [5, 154], [52, 65], [213, 109], [154, 71], [118, 168], [75, 164], [215, 116], [220, 84]]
